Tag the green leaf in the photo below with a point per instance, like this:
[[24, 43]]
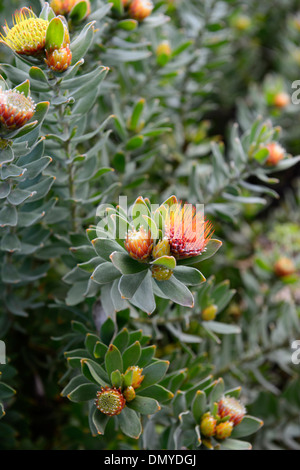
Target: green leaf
[[121, 340], [233, 444], [23, 88], [135, 142], [158, 392], [130, 423], [189, 276], [128, 25], [116, 379], [147, 355], [127, 265], [104, 247], [105, 273], [211, 248], [99, 420], [144, 405], [55, 34], [176, 291], [79, 12], [248, 425], [222, 328], [82, 42], [167, 261], [131, 355], [84, 392], [129, 284], [100, 350], [94, 372], [113, 360], [107, 330], [199, 405], [154, 373]]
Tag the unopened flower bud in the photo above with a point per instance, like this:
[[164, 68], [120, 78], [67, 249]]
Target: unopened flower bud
[[281, 100], [162, 248], [140, 9], [110, 401], [163, 53], [224, 430], [230, 406], [64, 7], [15, 109], [137, 377], [284, 267], [139, 244], [209, 313], [276, 153], [59, 59], [129, 393], [241, 22], [208, 425], [161, 273]]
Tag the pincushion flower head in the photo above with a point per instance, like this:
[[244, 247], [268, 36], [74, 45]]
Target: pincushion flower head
[[187, 231], [230, 406], [15, 109], [58, 53], [110, 401], [139, 243], [28, 34]]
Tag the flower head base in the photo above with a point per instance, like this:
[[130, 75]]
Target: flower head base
[[161, 273], [28, 34], [110, 401], [15, 109], [64, 7], [208, 425], [229, 406], [187, 231], [224, 430], [140, 9], [284, 267], [59, 59], [276, 153], [139, 244], [137, 377]]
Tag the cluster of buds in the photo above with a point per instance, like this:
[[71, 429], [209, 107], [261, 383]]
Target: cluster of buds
[[138, 9], [15, 109], [64, 7], [29, 36], [230, 413], [186, 235], [112, 400]]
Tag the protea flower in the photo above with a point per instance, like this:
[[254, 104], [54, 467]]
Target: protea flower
[[140, 9], [139, 244], [208, 425], [28, 34], [137, 377], [15, 109], [187, 231], [284, 267], [230, 406], [276, 153], [224, 430], [59, 59], [110, 401], [63, 7]]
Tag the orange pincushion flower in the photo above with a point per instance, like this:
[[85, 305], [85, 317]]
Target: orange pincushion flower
[[229, 406], [276, 153], [59, 59], [137, 377], [281, 100], [28, 34], [63, 7], [139, 244], [140, 9], [15, 109], [187, 231], [110, 401]]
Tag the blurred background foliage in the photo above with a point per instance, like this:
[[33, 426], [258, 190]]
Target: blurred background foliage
[[229, 60]]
